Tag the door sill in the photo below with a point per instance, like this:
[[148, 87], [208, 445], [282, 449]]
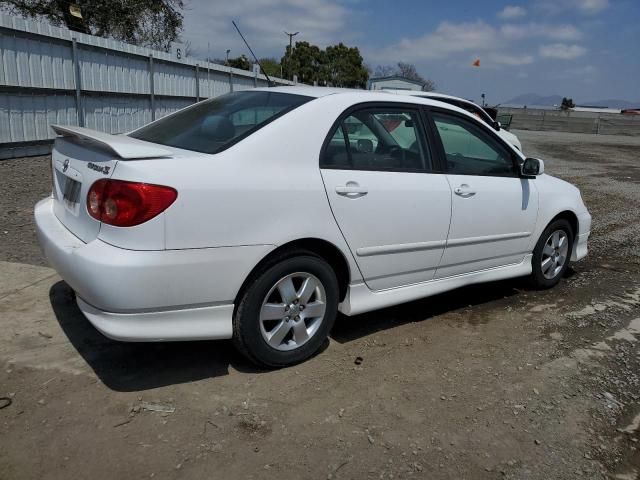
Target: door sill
[[361, 299]]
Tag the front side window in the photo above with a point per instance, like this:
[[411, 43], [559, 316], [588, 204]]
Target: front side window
[[215, 124], [378, 139], [469, 150]]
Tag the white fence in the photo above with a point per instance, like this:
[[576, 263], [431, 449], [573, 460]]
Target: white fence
[[53, 75], [570, 121]]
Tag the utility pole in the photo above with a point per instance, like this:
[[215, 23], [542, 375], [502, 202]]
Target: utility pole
[[226, 61], [291, 35]]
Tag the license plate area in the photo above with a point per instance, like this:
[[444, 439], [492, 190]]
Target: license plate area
[[71, 192]]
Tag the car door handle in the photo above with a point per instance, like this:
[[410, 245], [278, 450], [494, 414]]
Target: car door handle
[[351, 190], [464, 191]]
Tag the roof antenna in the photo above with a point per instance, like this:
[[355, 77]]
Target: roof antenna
[[269, 82]]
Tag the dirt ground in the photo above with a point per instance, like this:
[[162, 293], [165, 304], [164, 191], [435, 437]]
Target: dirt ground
[[492, 381]]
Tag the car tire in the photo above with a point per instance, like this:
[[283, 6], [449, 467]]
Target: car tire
[[552, 254], [296, 330]]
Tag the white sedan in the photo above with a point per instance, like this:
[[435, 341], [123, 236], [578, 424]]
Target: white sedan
[[260, 214]]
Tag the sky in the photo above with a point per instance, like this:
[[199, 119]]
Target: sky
[[584, 49]]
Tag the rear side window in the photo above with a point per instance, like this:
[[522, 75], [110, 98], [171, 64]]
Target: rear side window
[[216, 124], [378, 139]]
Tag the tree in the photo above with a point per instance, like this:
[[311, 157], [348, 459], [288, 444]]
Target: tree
[[241, 62], [343, 67], [338, 65], [271, 66], [567, 103], [304, 61], [406, 70], [385, 71], [155, 24]]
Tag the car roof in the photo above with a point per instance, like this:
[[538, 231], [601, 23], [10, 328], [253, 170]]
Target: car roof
[[354, 96], [416, 93], [308, 90]]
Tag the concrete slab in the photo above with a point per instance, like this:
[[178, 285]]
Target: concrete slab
[[16, 276]]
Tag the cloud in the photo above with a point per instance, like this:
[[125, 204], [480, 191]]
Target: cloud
[[587, 74], [496, 46], [510, 59], [591, 7], [532, 30], [562, 51], [263, 23], [447, 39], [511, 12], [584, 7]]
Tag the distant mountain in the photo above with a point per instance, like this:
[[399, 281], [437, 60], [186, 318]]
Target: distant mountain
[[551, 100], [535, 99]]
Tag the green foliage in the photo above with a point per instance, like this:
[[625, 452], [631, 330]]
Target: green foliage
[[567, 103], [271, 66], [338, 65], [343, 67], [304, 61], [241, 62], [154, 24]]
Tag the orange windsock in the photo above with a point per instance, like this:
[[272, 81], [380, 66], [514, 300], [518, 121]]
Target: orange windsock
[[476, 63]]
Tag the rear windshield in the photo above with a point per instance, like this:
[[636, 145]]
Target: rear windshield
[[216, 124]]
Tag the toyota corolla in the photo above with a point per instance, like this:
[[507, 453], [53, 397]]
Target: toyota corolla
[[261, 214]]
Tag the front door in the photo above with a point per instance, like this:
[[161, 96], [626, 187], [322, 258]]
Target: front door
[[392, 210], [494, 211]]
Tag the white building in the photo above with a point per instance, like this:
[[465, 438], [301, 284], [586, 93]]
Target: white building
[[595, 109], [394, 83]]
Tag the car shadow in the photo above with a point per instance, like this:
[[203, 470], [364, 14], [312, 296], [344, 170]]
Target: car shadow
[[129, 367], [351, 328]]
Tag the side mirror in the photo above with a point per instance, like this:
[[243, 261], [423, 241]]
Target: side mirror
[[532, 167], [497, 125]]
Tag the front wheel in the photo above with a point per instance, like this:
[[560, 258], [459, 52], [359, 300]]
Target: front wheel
[[287, 311], [552, 254]]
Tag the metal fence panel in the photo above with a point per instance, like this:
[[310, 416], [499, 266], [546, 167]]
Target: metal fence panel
[[574, 122], [26, 118], [115, 92], [174, 79], [108, 71], [116, 114], [28, 62]]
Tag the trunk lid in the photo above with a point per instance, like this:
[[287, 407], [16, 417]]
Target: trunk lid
[[79, 158]]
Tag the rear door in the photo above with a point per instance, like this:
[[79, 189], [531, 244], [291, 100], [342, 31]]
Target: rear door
[[390, 204], [76, 166], [494, 211]]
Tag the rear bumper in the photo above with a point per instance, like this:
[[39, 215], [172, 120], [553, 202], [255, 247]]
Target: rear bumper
[[148, 295], [204, 323]]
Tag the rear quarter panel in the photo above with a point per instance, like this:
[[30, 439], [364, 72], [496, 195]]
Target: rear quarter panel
[[265, 190]]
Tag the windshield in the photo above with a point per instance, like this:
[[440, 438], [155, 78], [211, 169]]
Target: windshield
[[216, 124]]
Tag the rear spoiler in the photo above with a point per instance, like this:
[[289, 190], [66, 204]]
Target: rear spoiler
[[125, 147]]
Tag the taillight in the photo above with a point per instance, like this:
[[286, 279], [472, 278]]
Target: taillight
[[125, 204]]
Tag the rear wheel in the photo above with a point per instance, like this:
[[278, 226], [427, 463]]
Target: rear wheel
[[287, 311], [552, 254]]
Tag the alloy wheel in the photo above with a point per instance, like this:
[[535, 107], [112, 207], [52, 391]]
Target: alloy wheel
[[292, 311], [554, 254]]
